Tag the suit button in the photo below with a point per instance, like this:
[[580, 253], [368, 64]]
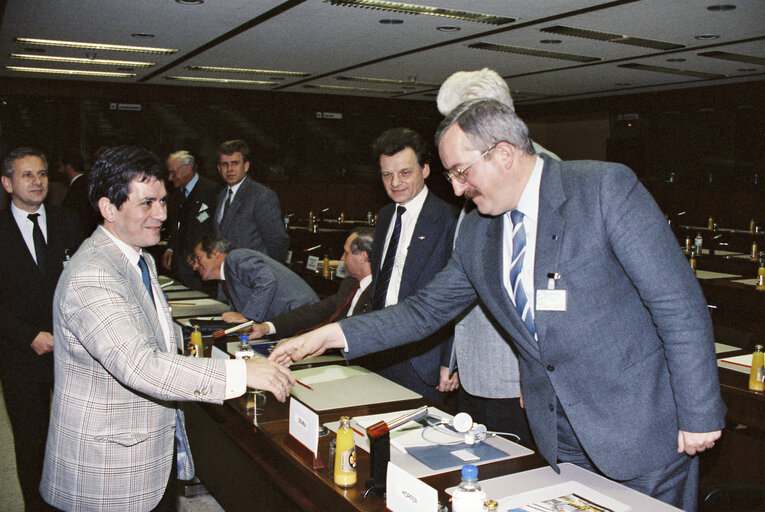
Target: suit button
[[196, 393], [550, 368], [551, 407]]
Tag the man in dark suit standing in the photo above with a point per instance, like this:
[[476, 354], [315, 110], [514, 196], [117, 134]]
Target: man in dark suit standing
[[192, 215], [352, 298], [37, 243], [575, 261], [413, 242], [248, 213], [72, 166]]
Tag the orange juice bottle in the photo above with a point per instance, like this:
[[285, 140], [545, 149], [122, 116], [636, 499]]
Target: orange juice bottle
[[345, 455], [196, 343], [757, 374]]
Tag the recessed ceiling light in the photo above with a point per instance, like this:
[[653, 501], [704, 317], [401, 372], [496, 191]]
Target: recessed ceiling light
[[747, 70], [676, 59], [219, 80], [95, 46], [721, 7], [142, 35], [391, 21], [707, 37], [70, 72], [443, 12], [248, 71], [550, 41], [448, 28], [190, 2], [78, 60]]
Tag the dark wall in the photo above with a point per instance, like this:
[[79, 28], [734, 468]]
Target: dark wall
[[709, 140]]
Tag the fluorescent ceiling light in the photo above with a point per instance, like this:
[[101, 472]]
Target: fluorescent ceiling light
[[343, 88], [70, 72], [380, 5], [220, 80], [670, 71], [250, 71], [385, 81], [532, 52], [611, 37], [736, 57], [80, 60], [95, 46]]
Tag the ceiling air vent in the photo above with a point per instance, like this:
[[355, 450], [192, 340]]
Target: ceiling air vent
[[611, 38], [380, 5], [532, 52]]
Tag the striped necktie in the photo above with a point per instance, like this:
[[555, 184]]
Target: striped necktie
[[383, 279], [516, 265]]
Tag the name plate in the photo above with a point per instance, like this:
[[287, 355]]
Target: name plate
[[304, 426], [406, 493], [551, 300], [312, 263]]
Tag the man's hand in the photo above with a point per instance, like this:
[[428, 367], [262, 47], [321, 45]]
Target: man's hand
[[43, 343], [695, 442], [269, 376], [167, 259], [232, 317], [258, 331], [448, 382], [310, 344]]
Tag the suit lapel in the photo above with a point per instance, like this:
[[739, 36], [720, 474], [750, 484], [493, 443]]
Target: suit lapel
[[550, 230], [17, 246], [427, 231], [381, 231]]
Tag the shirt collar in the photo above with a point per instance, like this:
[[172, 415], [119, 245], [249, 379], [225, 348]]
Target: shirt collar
[[190, 185], [21, 215], [414, 206], [128, 251], [529, 201], [365, 281]]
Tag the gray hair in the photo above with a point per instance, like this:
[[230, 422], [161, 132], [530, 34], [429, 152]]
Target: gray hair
[[486, 122], [211, 242], [363, 240], [21, 153], [463, 86], [184, 157]]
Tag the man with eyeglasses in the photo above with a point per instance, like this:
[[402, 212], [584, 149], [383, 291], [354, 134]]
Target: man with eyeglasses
[[577, 264], [191, 215], [248, 213], [412, 243]]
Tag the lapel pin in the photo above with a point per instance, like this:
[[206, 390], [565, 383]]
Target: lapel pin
[[421, 237]]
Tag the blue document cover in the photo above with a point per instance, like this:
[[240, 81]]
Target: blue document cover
[[441, 457]]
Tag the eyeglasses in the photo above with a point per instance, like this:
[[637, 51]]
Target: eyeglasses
[[460, 175]]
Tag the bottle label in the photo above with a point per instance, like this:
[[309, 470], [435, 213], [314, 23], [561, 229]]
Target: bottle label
[[760, 374], [348, 461]]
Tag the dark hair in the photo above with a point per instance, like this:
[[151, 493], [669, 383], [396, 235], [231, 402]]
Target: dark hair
[[116, 168], [398, 139], [363, 240], [232, 146], [74, 159], [21, 153], [209, 242]]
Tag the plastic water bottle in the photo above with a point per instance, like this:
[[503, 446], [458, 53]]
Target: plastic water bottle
[[469, 496]]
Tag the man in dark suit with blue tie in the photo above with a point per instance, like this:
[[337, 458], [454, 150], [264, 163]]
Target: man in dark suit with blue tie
[[577, 264], [248, 214], [191, 215], [37, 242], [412, 243]]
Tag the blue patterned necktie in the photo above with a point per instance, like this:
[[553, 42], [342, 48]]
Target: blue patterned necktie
[[383, 278], [145, 276], [516, 265]]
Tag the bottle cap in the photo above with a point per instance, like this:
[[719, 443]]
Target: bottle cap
[[244, 338], [469, 472]]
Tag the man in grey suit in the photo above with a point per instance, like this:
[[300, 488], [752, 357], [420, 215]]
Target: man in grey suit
[[577, 264], [352, 298], [257, 287], [248, 213], [115, 425]]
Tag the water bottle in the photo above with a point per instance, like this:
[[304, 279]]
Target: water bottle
[[697, 242], [469, 496]]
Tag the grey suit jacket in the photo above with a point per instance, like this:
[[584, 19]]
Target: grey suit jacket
[[631, 359], [113, 416], [254, 220], [262, 288]]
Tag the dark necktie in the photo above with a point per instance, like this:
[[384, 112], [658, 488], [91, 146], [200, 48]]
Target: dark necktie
[[145, 276], [383, 279], [516, 265], [334, 315], [227, 205], [39, 241]]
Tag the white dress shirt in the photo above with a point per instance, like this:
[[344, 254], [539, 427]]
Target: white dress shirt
[[26, 226]]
